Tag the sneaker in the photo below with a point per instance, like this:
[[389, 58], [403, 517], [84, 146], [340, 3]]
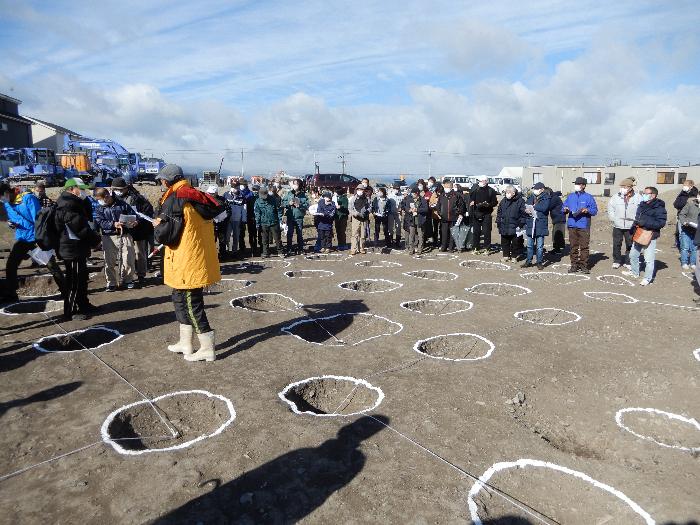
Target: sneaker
[[628, 266], [281, 255], [693, 267], [616, 266], [265, 255], [644, 282], [584, 271], [685, 267], [506, 259], [80, 317], [540, 267], [631, 274], [572, 269], [526, 264], [130, 286], [109, 288], [696, 300]]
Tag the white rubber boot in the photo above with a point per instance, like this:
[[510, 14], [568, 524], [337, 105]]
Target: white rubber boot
[[184, 345], [206, 348]]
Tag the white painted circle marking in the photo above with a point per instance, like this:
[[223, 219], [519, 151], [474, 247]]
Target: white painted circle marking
[[484, 265], [492, 347], [292, 405], [611, 278], [601, 296], [277, 308], [522, 463], [317, 274], [40, 348], [378, 264], [469, 305], [517, 315], [397, 285], [450, 276], [116, 446], [524, 290], [51, 306], [670, 415], [287, 329]]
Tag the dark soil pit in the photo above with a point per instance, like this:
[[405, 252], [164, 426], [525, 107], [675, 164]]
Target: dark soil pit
[[37, 286], [432, 275], [548, 316], [555, 277], [254, 266], [332, 396], [370, 285], [195, 415], [477, 264], [437, 306], [88, 339], [499, 289], [455, 347], [378, 264], [266, 302], [33, 307], [308, 274], [663, 428], [229, 285], [342, 329]]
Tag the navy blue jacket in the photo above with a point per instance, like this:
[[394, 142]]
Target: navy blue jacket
[[511, 215], [421, 206], [106, 216], [651, 215], [325, 221], [541, 224], [555, 205]]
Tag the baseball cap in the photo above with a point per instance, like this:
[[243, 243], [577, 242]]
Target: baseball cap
[[538, 186], [76, 181], [170, 172]]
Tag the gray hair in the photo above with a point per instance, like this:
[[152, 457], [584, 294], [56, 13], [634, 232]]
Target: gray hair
[[510, 188]]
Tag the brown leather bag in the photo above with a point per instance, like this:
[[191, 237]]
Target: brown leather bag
[[642, 236]]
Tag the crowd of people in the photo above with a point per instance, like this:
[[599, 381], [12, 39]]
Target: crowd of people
[[197, 230]]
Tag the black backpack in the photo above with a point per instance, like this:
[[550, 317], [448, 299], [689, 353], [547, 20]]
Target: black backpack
[[45, 232]]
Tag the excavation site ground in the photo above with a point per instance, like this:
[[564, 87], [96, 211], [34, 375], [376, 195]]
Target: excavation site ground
[[362, 393]]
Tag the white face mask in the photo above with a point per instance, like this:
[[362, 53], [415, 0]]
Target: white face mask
[[420, 187], [686, 189], [119, 193], [448, 190], [360, 193], [537, 192], [623, 191], [328, 200], [483, 183], [241, 187], [578, 188], [646, 197], [510, 195], [101, 202], [295, 187], [364, 184], [83, 194]]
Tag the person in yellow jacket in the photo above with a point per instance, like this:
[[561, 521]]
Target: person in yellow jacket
[[190, 261]]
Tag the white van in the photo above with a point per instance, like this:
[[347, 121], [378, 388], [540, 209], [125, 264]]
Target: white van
[[500, 183]]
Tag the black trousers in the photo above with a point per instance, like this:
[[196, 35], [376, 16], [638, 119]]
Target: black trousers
[[482, 226], [75, 296], [618, 236], [341, 227], [189, 309], [438, 232], [511, 246], [382, 223], [447, 242], [269, 233], [17, 254]]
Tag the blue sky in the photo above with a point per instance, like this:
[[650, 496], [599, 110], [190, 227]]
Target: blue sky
[[481, 83]]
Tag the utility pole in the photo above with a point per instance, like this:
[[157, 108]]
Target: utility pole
[[430, 162], [529, 155], [241, 162], [342, 160]]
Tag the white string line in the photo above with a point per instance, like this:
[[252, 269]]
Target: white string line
[[60, 456], [174, 433], [541, 517]]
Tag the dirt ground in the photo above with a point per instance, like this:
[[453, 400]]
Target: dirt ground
[[544, 386]]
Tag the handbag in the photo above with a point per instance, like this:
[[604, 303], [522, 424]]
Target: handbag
[[642, 236]]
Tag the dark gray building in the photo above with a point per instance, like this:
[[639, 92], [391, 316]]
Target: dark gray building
[[15, 131]]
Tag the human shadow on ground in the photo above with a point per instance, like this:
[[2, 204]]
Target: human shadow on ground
[[136, 303], [250, 338], [287, 488], [43, 395]]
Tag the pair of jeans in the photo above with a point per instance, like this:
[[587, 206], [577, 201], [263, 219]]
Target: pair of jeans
[[535, 243], [382, 223], [233, 230], [649, 259], [189, 309], [326, 237], [297, 226], [619, 235], [688, 249]]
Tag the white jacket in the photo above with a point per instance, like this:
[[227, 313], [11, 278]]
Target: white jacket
[[622, 213]]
